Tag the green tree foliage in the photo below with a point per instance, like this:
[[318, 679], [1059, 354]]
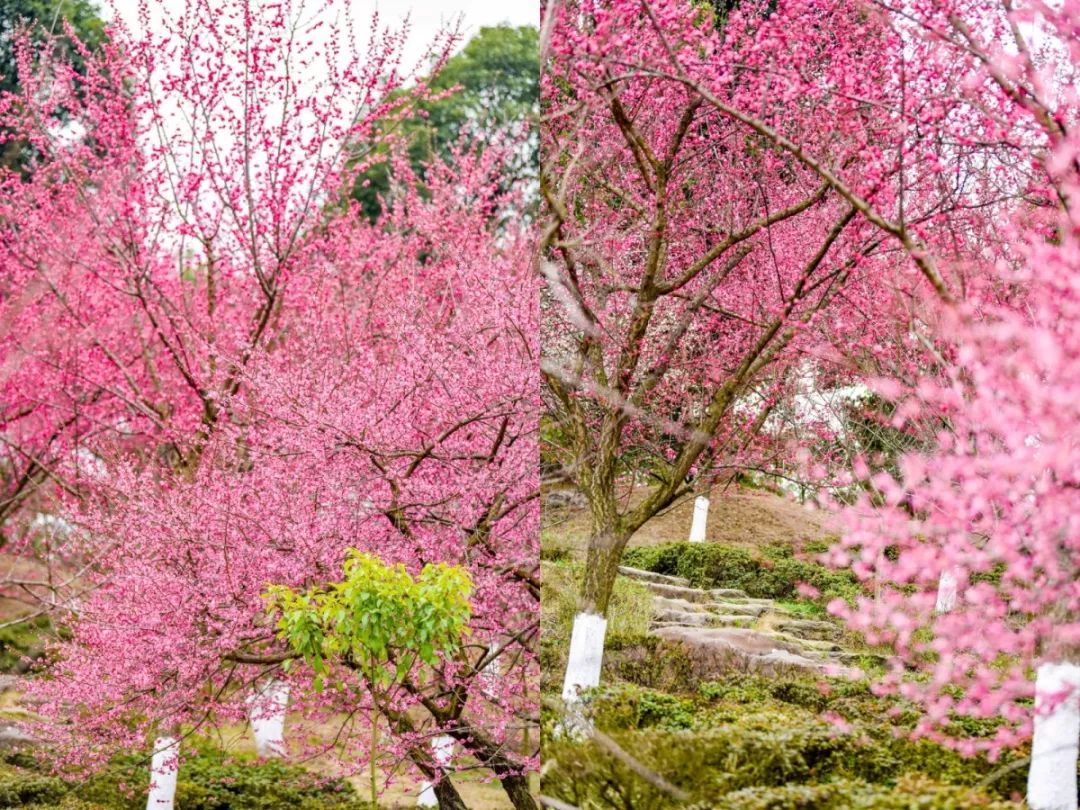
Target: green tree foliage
[[496, 76], [377, 615], [378, 621]]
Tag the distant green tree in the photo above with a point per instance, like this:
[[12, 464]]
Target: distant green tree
[[42, 18], [497, 76]]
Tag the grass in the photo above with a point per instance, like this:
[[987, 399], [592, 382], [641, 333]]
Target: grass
[[629, 614]]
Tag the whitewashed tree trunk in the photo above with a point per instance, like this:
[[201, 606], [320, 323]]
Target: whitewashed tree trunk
[[490, 674], [1052, 774], [267, 713], [164, 766], [701, 519], [946, 592], [583, 666], [442, 748]]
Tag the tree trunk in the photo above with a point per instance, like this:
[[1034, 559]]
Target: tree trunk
[[586, 655], [606, 545], [700, 522], [446, 793], [489, 754], [516, 787], [164, 768], [946, 595], [1052, 773], [267, 714]]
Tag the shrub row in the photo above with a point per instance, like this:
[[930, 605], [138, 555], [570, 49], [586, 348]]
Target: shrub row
[[210, 781], [768, 572]]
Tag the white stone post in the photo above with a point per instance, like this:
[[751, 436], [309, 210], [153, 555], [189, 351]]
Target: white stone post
[[266, 709], [946, 592], [583, 665], [442, 748], [164, 765], [701, 519], [1052, 774]]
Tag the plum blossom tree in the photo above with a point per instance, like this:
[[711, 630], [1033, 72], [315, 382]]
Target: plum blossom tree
[[709, 240], [264, 379], [983, 525], [984, 100]]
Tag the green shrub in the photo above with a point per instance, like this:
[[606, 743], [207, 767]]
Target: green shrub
[[626, 707], [17, 790], [707, 764], [68, 802], [770, 572], [911, 794], [753, 731], [211, 780], [770, 762]]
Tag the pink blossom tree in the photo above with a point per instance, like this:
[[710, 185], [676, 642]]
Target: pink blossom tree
[[984, 103], [982, 579], [984, 100], [716, 191], [263, 380]]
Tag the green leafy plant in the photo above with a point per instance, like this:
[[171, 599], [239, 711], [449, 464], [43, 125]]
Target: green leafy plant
[[379, 621]]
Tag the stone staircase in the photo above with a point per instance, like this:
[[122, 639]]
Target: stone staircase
[[723, 628]]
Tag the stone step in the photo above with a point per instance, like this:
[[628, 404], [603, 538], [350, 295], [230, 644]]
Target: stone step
[[715, 650], [808, 629], [13, 736], [853, 658], [734, 593], [656, 579], [667, 603], [815, 645], [737, 608], [699, 619], [695, 594]]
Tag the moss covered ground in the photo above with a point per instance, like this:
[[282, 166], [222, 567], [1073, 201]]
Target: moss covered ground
[[738, 741]]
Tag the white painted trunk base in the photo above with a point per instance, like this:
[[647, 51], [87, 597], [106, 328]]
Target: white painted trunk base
[[1052, 775], [701, 519], [442, 748], [267, 713], [490, 674], [583, 666], [164, 765], [946, 591]]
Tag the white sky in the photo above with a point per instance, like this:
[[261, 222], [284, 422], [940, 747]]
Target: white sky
[[428, 17]]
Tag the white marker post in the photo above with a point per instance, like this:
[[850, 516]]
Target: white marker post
[[164, 765], [946, 591], [1054, 748], [701, 519], [442, 748], [267, 713], [583, 666]]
